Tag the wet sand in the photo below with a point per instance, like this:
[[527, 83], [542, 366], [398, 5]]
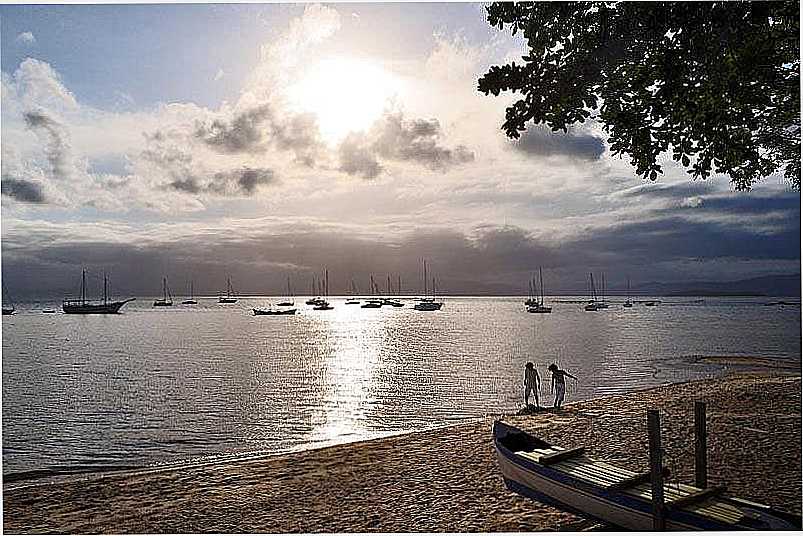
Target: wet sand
[[445, 480]]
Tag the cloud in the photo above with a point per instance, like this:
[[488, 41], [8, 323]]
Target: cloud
[[392, 137], [357, 158], [26, 38], [241, 134], [254, 130], [38, 85], [22, 190], [538, 140], [488, 259], [57, 148], [417, 140], [237, 182]]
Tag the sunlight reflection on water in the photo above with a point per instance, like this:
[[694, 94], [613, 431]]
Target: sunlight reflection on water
[[157, 386]]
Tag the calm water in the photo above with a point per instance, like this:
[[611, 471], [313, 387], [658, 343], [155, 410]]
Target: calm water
[[154, 386]]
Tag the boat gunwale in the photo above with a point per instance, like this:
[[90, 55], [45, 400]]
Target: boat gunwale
[[617, 498]]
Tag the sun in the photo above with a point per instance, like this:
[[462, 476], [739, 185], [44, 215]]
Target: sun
[[346, 94]]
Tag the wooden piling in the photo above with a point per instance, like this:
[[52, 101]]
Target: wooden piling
[[656, 470], [700, 448]]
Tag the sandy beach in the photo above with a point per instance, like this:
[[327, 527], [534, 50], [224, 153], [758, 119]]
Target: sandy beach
[[444, 480]]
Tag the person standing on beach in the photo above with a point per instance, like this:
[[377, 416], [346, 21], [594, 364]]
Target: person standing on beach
[[559, 383], [532, 383]]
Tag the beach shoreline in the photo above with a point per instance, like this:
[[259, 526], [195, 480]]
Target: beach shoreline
[[438, 480]]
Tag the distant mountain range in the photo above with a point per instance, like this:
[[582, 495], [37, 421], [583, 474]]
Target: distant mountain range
[[771, 285]]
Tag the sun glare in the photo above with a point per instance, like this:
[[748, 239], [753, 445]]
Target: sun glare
[[346, 95]]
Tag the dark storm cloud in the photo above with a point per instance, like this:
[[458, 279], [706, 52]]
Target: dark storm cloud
[[22, 190], [57, 147], [236, 182], [491, 259], [538, 140]]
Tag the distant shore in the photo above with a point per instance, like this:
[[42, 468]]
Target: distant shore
[[443, 480]]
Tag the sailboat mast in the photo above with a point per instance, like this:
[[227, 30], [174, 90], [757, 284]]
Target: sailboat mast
[[425, 277], [105, 288], [593, 289], [541, 279], [83, 286], [390, 291], [603, 287], [399, 287], [326, 283]]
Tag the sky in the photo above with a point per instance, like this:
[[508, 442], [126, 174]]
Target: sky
[[259, 142]]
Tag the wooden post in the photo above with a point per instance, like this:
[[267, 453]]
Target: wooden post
[[700, 453], [656, 470]]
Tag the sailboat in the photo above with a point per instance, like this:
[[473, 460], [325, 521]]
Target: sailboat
[[375, 302], [539, 306], [602, 304], [628, 303], [81, 306], [315, 292], [190, 301], [353, 290], [531, 298], [592, 305], [167, 298], [229, 297], [390, 301], [288, 302], [428, 303], [8, 310], [323, 304]]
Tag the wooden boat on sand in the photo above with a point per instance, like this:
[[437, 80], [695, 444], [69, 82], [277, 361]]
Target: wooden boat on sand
[[571, 481]]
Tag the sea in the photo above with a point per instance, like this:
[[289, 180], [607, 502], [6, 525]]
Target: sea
[[190, 384]]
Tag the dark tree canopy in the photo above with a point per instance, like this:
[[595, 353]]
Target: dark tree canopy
[[714, 83]]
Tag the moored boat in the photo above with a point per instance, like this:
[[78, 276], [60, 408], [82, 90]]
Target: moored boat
[[167, 299], [82, 306], [571, 481], [230, 296], [272, 312], [191, 300], [540, 305]]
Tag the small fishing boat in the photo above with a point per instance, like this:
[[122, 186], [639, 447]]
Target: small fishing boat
[[273, 312], [652, 303], [81, 306], [540, 305], [191, 300], [48, 311], [371, 304], [323, 305], [230, 296], [167, 299], [571, 481]]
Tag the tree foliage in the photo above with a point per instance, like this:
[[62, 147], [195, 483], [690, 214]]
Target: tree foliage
[[715, 84]]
